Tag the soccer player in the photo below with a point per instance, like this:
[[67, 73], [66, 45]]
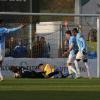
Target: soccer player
[[3, 32], [42, 71], [72, 52], [82, 49]]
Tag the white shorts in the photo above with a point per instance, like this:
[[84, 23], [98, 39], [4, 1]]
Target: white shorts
[[71, 59], [81, 56]]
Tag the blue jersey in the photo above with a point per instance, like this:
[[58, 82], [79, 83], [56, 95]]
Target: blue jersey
[[3, 32], [81, 42], [73, 42], [20, 51], [63, 71]]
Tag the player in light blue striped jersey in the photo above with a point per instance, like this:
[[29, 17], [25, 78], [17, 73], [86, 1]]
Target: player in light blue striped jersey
[[72, 50], [82, 50]]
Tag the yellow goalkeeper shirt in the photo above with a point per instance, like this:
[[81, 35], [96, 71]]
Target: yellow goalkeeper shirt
[[48, 69]]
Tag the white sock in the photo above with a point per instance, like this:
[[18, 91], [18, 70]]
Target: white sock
[[87, 67], [77, 67], [71, 69]]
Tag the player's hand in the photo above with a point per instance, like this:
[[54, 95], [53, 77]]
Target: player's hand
[[64, 54], [23, 25]]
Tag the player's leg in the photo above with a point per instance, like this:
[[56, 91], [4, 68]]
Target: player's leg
[[88, 71], [1, 76], [76, 62], [53, 73], [1, 60], [71, 69], [77, 67], [81, 56], [85, 60]]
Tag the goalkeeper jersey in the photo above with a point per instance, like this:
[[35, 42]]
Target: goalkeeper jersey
[[48, 69]]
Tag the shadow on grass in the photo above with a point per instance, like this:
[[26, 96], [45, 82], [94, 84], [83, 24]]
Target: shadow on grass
[[48, 95]]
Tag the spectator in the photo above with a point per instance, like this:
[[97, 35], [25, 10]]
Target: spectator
[[20, 51], [36, 49], [45, 48]]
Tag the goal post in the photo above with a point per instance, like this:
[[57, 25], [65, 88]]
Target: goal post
[[98, 46]]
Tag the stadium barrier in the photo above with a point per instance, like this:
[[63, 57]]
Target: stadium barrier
[[30, 63]]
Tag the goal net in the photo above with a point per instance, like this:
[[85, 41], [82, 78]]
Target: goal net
[[43, 39]]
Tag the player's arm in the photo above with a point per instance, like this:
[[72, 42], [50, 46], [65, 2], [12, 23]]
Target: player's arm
[[11, 30], [69, 49], [83, 49]]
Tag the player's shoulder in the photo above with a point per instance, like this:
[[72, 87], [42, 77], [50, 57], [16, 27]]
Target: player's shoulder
[[78, 35], [73, 38], [2, 29]]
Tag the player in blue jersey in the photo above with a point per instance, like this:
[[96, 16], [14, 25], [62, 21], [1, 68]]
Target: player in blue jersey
[[82, 49], [3, 33], [72, 50]]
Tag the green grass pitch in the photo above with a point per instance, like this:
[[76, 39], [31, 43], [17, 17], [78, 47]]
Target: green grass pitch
[[50, 89]]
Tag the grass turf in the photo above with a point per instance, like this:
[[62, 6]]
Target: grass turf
[[50, 89]]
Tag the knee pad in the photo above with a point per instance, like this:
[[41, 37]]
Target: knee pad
[[78, 60], [69, 64]]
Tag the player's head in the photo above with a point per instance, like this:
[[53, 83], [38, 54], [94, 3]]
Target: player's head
[[19, 43], [38, 38], [42, 38], [40, 66], [1, 22], [75, 31], [68, 34]]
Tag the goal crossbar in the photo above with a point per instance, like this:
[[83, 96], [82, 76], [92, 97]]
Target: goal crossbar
[[49, 14]]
